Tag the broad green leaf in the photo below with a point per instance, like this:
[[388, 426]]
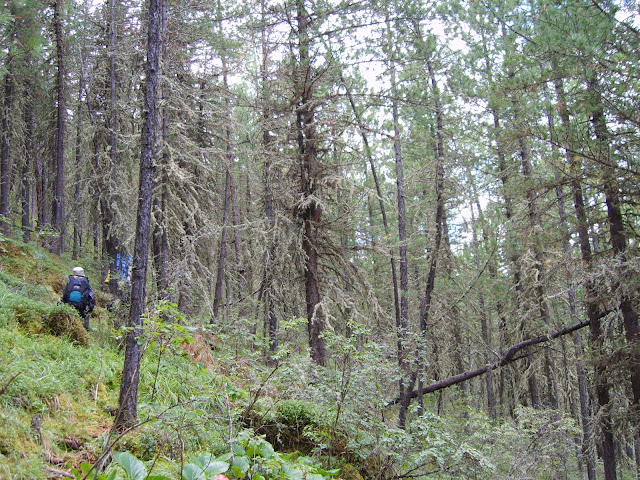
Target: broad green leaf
[[238, 449], [193, 472], [266, 449], [315, 476], [158, 477], [241, 463], [292, 473], [225, 457], [134, 468]]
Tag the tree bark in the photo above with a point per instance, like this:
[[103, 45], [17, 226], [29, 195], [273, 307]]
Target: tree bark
[[383, 211], [402, 323], [618, 242], [128, 401], [5, 158], [266, 292], [311, 212], [585, 410], [61, 115], [30, 152], [222, 253], [161, 190]]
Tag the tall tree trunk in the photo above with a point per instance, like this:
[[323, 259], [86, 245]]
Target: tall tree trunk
[[537, 289], [383, 210], [485, 327], [61, 116], [593, 314], [585, 411], [266, 291], [222, 253], [161, 191], [618, 243], [511, 252], [111, 244], [5, 159], [425, 301], [30, 152], [311, 212], [128, 401], [222, 257], [77, 179], [237, 242], [403, 320]]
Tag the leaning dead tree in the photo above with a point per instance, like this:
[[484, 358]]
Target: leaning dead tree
[[508, 357]]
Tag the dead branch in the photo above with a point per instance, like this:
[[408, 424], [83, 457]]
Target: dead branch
[[504, 360], [4, 389]]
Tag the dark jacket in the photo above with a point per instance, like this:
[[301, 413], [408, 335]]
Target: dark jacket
[[78, 293]]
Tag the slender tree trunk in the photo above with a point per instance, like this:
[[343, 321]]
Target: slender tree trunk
[[403, 323], [585, 410], [383, 211], [425, 301], [618, 243], [537, 289], [61, 115], [222, 254], [5, 158], [266, 291], [77, 179], [311, 213], [128, 401], [506, 379], [30, 152], [111, 243], [237, 242], [222, 257], [593, 314], [484, 318], [161, 192]]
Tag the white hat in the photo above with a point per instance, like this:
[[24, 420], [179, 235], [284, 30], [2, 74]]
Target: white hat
[[78, 271]]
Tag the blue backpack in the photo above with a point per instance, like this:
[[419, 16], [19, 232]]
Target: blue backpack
[[78, 288]]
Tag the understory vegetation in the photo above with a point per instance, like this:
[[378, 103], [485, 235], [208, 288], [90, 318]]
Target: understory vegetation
[[210, 405]]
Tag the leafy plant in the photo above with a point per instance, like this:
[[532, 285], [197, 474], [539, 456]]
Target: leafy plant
[[252, 457]]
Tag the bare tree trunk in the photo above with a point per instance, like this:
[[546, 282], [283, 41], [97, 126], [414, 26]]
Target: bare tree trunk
[[161, 194], [311, 213], [78, 159], [425, 301], [61, 115], [618, 243], [484, 318], [266, 290], [537, 290], [128, 401], [383, 211], [593, 314], [30, 152], [403, 320], [222, 254], [585, 410], [222, 257], [237, 242], [5, 157]]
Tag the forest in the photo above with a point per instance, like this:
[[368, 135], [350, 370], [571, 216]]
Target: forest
[[406, 231]]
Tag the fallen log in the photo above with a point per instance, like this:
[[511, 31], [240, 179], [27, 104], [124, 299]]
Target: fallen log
[[507, 358]]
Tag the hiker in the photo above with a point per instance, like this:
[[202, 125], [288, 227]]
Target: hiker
[[78, 294]]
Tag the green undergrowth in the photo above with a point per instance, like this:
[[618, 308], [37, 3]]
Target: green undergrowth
[[208, 405]]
